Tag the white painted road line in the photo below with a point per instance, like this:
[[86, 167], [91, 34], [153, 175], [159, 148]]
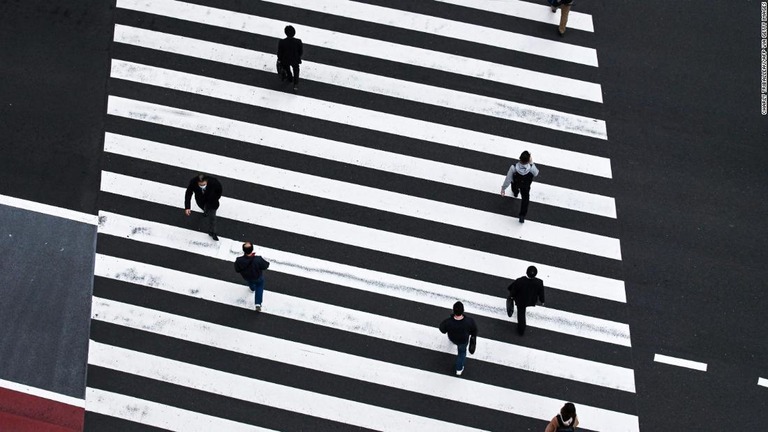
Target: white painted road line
[[345, 114], [45, 394], [426, 169], [347, 43], [450, 29], [527, 10], [158, 415], [762, 382], [49, 210], [342, 77], [345, 365], [364, 196], [374, 239], [680, 362], [261, 392], [363, 279], [366, 324]]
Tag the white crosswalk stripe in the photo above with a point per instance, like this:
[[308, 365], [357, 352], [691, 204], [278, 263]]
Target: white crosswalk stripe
[[374, 221]]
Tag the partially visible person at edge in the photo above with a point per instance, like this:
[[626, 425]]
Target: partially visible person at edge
[[460, 329], [565, 9], [251, 267], [525, 291], [520, 176], [566, 421], [207, 191], [289, 52]]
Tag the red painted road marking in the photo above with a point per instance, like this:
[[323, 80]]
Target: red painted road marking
[[22, 412]]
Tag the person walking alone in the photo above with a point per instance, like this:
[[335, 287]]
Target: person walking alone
[[289, 52], [207, 191], [520, 176], [566, 421], [251, 267], [462, 331], [565, 9], [525, 291]]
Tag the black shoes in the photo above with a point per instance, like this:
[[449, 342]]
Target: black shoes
[[213, 236], [522, 219]]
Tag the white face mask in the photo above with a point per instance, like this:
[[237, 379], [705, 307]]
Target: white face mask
[[203, 187]]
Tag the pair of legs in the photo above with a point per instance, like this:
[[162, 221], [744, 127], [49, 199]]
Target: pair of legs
[[209, 213], [292, 77], [521, 319], [461, 357], [257, 286], [564, 11], [524, 190]]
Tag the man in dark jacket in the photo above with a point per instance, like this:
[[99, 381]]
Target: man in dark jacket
[[251, 267], [207, 191], [525, 291], [460, 329], [289, 52]]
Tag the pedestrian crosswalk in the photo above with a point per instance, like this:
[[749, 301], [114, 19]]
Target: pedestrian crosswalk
[[374, 193]]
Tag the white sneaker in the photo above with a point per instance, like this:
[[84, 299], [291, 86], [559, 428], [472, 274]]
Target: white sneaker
[[258, 308], [458, 372]]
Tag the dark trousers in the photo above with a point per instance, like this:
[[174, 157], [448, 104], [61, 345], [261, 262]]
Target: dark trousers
[[210, 214], [521, 319], [295, 76], [525, 191]]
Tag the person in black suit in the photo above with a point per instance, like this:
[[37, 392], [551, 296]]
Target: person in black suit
[[207, 191], [525, 291], [289, 52]]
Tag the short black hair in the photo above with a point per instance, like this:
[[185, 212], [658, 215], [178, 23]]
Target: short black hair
[[458, 308], [568, 411], [247, 248], [202, 177], [525, 157], [290, 31], [532, 272]]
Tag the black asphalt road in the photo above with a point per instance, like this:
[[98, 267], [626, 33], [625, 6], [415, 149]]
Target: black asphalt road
[[686, 140]]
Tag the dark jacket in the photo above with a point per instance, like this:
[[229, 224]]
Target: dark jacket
[[526, 290], [250, 266], [459, 331], [289, 51], [207, 200]]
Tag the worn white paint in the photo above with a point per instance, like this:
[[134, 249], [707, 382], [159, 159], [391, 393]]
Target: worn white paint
[[373, 239], [159, 415], [348, 114], [450, 29], [261, 392], [50, 210], [348, 365], [372, 83], [41, 393], [350, 193], [660, 358], [364, 323], [531, 11], [426, 169]]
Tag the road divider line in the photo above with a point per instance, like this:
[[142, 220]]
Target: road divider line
[[339, 363], [674, 361], [364, 196], [49, 210], [261, 392], [41, 393], [373, 239], [366, 324]]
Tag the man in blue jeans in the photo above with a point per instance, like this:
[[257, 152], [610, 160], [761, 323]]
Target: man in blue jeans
[[460, 329], [251, 267]]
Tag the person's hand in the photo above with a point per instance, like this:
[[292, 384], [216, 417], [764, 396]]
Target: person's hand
[[503, 193], [187, 212]]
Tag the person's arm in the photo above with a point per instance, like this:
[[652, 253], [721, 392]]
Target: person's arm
[[507, 180], [512, 289], [552, 426], [301, 50], [541, 292], [188, 198], [473, 329], [280, 51], [263, 264], [442, 327], [218, 190]]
